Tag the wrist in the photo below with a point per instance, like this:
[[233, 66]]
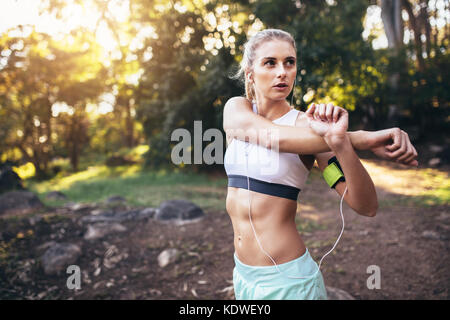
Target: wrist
[[360, 139], [336, 142]]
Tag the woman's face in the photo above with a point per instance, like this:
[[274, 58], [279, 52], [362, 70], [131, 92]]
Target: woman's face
[[275, 63]]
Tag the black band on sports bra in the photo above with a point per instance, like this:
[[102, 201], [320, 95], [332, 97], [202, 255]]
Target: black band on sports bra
[[273, 189]]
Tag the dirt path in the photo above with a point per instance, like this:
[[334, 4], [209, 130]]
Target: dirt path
[[408, 243]]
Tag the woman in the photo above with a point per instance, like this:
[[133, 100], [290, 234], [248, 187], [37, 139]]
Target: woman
[[271, 259]]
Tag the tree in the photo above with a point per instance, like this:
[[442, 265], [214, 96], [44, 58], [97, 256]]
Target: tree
[[37, 73], [181, 82]]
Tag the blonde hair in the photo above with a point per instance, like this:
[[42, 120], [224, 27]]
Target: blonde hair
[[249, 55]]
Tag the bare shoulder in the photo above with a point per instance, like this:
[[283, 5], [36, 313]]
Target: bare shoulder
[[237, 102], [232, 112]]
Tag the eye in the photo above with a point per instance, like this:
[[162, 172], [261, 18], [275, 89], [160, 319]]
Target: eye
[[291, 61], [271, 61]]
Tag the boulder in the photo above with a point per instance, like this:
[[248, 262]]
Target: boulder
[[23, 201], [119, 216], [178, 210], [100, 230], [9, 180], [338, 294], [167, 256], [59, 256]]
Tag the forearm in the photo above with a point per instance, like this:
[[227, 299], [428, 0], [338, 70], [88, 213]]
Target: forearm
[[299, 140], [259, 130], [361, 195], [240, 122]]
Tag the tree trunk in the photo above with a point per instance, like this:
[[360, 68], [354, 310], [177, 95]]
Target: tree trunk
[[129, 122], [424, 21], [393, 26], [393, 23], [415, 27]]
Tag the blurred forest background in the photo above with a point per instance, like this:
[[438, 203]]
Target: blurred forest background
[[105, 83]]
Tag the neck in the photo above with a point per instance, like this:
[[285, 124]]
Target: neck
[[271, 109]]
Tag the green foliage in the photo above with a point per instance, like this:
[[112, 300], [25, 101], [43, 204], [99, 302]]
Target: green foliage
[[165, 74], [176, 87], [37, 72], [140, 187]]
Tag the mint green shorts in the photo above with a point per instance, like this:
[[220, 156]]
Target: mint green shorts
[[266, 283]]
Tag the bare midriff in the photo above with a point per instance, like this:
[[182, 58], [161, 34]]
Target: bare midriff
[[274, 222]]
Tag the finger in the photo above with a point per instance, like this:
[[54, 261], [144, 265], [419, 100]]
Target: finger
[[401, 150], [322, 109], [310, 112], [397, 140], [407, 155], [329, 112], [413, 155], [317, 112], [343, 115], [336, 114], [405, 147]]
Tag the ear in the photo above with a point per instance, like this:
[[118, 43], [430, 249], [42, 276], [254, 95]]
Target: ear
[[249, 76]]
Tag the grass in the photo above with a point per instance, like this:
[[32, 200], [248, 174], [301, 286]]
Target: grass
[[95, 182], [139, 187]]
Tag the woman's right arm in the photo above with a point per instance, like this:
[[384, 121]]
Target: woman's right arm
[[240, 122]]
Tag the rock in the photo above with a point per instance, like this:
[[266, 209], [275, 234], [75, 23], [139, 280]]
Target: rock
[[45, 246], [113, 256], [59, 256], [19, 201], [55, 196], [77, 207], [434, 162], [115, 199], [106, 216], [9, 180], [338, 294], [167, 257], [120, 216], [444, 216], [98, 212], [34, 220], [148, 213], [178, 210], [429, 234], [101, 230]]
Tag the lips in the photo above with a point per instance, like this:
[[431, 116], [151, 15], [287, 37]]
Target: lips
[[281, 85]]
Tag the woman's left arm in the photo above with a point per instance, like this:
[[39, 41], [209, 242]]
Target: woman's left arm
[[331, 123], [361, 195]]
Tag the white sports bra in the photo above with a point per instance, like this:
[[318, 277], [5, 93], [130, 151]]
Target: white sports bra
[[279, 174]]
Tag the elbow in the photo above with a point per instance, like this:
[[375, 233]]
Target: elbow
[[370, 212]]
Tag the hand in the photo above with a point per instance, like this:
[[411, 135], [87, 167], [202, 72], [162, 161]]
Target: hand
[[393, 144], [328, 121]]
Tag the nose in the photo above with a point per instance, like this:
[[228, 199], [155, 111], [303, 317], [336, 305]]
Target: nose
[[281, 71]]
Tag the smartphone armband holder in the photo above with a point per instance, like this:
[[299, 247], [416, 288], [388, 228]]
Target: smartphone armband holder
[[333, 172]]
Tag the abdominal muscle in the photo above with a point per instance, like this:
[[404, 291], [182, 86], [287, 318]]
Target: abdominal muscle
[[274, 222]]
